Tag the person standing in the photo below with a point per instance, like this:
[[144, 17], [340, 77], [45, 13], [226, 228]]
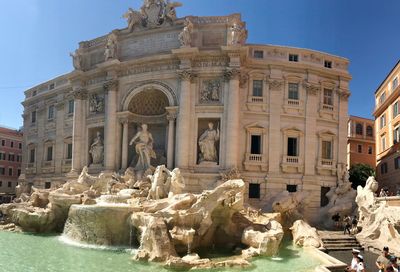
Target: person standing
[[354, 223], [393, 264], [360, 264], [383, 260], [354, 261], [346, 224]]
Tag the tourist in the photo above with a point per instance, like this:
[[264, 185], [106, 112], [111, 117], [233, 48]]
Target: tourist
[[336, 219], [383, 260], [346, 224], [383, 193], [393, 264], [354, 223], [354, 261], [360, 264]]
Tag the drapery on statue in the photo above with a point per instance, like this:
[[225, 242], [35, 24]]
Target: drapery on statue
[[97, 149], [111, 47], [144, 148], [185, 37], [134, 18], [237, 33], [208, 151]]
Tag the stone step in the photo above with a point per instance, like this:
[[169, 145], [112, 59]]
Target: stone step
[[343, 248], [340, 240]]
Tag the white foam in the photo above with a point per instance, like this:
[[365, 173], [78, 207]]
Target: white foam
[[68, 241]]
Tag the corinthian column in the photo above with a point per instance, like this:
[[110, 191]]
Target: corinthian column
[[80, 95], [110, 128], [124, 159], [171, 117], [183, 124], [233, 118]]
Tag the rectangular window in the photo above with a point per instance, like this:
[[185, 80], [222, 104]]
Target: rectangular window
[[3, 142], [254, 190], [69, 151], [10, 172], [328, 97], [293, 91], [383, 121], [382, 98], [293, 57], [395, 109], [328, 64], [70, 106], [359, 148], [49, 153], [395, 83], [258, 88], [12, 144], [397, 163], [291, 188], [396, 135], [20, 145], [33, 117], [384, 168], [292, 147], [9, 184], [255, 144], [327, 150], [47, 185], [2, 171], [258, 54], [19, 172], [383, 141], [11, 157], [370, 150], [1, 184], [32, 156], [50, 114], [51, 86]]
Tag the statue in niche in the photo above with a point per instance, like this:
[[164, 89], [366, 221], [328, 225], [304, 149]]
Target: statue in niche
[[97, 149], [76, 59], [210, 91], [96, 103], [144, 148], [111, 47], [237, 33], [185, 37], [207, 141]]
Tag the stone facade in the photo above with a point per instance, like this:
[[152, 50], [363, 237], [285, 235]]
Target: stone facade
[[361, 141], [214, 106], [387, 130], [10, 162]]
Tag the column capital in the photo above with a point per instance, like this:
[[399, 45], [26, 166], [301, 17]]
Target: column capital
[[186, 74], [311, 89], [111, 85], [275, 84], [80, 94], [60, 105], [124, 121], [343, 94], [232, 74]]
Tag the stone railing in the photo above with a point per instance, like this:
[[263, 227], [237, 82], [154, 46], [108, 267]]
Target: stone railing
[[326, 162], [391, 201], [293, 102], [291, 159], [327, 107], [256, 99]]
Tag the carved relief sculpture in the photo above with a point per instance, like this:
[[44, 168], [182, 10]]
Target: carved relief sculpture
[[207, 142], [76, 59], [96, 103], [237, 33], [210, 91], [97, 149], [111, 47], [185, 37], [144, 148]]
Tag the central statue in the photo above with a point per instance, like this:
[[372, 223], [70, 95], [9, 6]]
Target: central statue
[[144, 148]]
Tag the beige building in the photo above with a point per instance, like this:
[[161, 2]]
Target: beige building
[[211, 102], [361, 141], [387, 130]]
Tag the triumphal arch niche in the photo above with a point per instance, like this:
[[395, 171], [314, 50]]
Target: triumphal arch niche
[[148, 117]]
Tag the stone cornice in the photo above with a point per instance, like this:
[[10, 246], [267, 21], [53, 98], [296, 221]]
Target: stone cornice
[[186, 74], [111, 85], [311, 89]]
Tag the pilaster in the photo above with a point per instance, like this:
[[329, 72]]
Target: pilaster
[[110, 129]]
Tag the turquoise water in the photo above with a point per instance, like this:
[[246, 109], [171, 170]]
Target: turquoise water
[[32, 253]]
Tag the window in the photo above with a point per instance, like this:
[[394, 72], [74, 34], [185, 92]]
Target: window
[[49, 156], [255, 147], [327, 150], [328, 97], [10, 172], [9, 184], [293, 91], [47, 185], [257, 88], [34, 93], [359, 129], [370, 150], [397, 163], [382, 98], [395, 83], [293, 57], [395, 109], [254, 190], [51, 86], [20, 145], [3, 142], [370, 131], [18, 172], [2, 156], [328, 64], [384, 168], [2, 171], [70, 106], [359, 148], [32, 155], [258, 54], [292, 147], [383, 121], [33, 117], [396, 135], [69, 151], [12, 144], [291, 188], [383, 143], [50, 113], [1, 184], [11, 157], [324, 199]]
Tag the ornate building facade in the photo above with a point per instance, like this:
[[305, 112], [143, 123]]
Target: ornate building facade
[[211, 104], [361, 142]]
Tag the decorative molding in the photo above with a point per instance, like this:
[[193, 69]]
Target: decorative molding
[[311, 89], [111, 85], [275, 85], [80, 94], [231, 74], [186, 74]]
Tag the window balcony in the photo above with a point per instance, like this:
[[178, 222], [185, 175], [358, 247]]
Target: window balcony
[[293, 102], [256, 103], [292, 164], [326, 166], [48, 167], [327, 107], [255, 162]]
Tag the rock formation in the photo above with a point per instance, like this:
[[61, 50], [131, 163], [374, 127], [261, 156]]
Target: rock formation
[[304, 235]]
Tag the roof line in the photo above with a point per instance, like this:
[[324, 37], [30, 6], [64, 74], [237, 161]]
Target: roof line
[[394, 67]]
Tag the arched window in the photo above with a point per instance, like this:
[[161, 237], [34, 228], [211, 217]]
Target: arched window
[[359, 129], [370, 131]]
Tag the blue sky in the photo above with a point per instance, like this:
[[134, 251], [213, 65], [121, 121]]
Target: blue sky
[[37, 36]]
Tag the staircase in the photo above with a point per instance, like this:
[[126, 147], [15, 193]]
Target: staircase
[[337, 241]]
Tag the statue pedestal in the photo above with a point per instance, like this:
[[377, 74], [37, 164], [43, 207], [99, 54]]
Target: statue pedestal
[[95, 168], [208, 164]]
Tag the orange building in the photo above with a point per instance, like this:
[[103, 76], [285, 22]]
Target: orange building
[[387, 130], [10, 162], [360, 141]]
